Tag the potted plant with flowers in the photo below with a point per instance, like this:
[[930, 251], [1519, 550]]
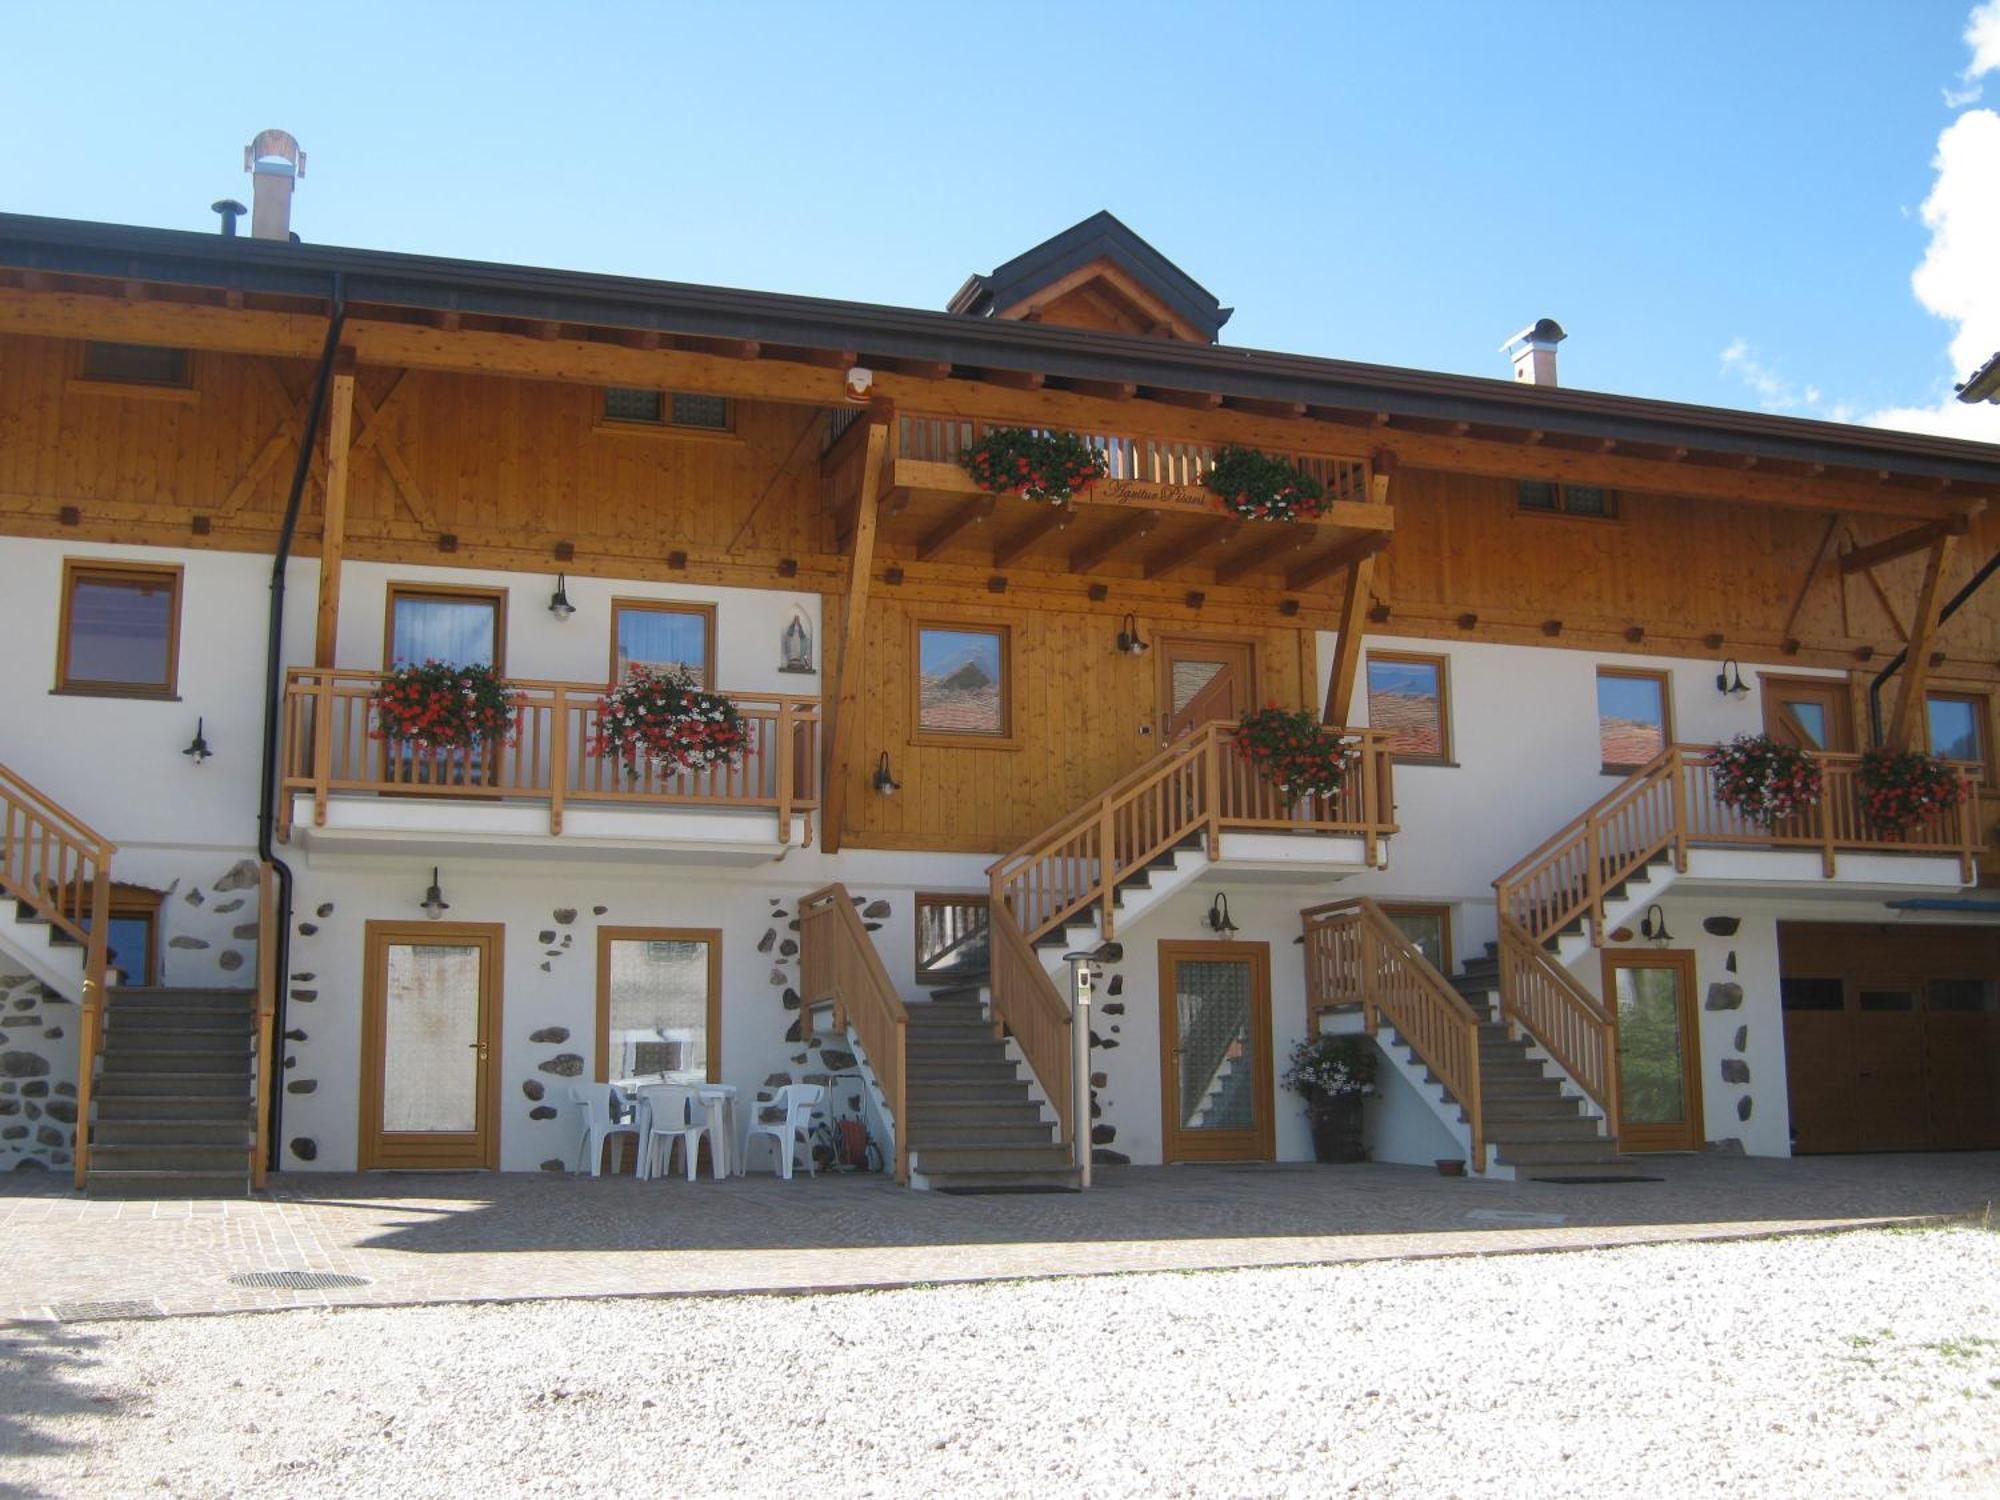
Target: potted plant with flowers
[[1300, 756], [1764, 780], [665, 720], [1033, 462], [442, 721], [1260, 487], [1333, 1074], [1902, 788]]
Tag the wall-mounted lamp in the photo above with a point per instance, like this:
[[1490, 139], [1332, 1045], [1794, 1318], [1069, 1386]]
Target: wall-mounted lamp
[[197, 749], [1218, 917], [559, 604], [1729, 681], [1128, 637], [796, 644], [885, 784], [1653, 927], [434, 905]]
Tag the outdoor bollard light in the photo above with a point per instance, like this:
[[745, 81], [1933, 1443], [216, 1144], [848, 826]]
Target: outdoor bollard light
[[1653, 927], [559, 604], [1082, 975], [1729, 681], [434, 905], [197, 749]]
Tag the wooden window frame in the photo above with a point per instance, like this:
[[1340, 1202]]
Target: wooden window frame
[[667, 607], [1427, 909], [84, 383], [460, 593], [1981, 705], [938, 898], [1613, 502], [170, 574], [1665, 680], [606, 936], [1264, 1132], [665, 426], [1772, 684], [1008, 738], [1443, 666]]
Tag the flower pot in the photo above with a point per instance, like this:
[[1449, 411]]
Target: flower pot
[[1451, 1166], [1336, 1129]]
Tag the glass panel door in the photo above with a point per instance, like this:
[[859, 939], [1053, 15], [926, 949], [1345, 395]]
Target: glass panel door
[[1809, 713], [429, 1025], [1203, 680], [1659, 1099], [1216, 1037]]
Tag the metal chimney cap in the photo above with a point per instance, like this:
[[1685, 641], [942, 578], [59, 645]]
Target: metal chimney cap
[[1541, 331], [227, 206]]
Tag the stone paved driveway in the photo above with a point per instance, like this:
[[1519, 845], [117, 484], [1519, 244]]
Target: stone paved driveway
[[434, 1237]]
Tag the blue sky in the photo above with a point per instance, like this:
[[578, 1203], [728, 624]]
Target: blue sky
[[1398, 183]]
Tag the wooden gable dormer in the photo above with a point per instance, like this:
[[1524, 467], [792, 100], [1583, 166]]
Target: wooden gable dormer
[[1097, 275]]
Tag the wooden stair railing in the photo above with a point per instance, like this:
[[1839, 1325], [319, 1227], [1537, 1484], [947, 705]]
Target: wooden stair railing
[[838, 964], [1356, 955], [1539, 994], [59, 867], [1028, 1006]]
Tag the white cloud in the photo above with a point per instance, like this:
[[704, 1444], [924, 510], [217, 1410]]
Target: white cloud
[[1774, 391], [1982, 35]]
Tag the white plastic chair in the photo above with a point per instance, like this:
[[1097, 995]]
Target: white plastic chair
[[600, 1124], [798, 1101], [674, 1115]]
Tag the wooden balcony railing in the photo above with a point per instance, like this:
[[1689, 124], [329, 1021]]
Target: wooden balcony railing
[[330, 749], [1665, 809], [59, 867], [838, 965], [1356, 956], [1132, 458], [1198, 785]]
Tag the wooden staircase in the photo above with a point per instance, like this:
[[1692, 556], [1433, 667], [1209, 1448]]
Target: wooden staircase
[[974, 1123]]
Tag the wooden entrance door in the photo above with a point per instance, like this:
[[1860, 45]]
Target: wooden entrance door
[[1813, 713], [1215, 1052], [1651, 997], [430, 1041], [1202, 680]]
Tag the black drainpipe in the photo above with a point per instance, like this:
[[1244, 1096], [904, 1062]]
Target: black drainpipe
[[1896, 662], [274, 675]]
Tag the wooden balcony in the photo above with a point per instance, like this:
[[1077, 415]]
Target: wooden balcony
[[543, 784], [1150, 516]]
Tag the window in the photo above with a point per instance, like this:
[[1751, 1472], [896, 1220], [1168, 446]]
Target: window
[[663, 637], [952, 939], [1429, 928], [119, 635], [650, 408], [1548, 497], [1795, 993], [465, 627], [132, 943], [1409, 700], [962, 688], [135, 364], [1957, 729], [1964, 996], [659, 1003], [1634, 717]]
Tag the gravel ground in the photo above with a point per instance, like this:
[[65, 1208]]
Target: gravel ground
[[1837, 1366]]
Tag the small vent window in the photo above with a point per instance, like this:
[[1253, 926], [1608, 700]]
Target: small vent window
[[711, 412], [666, 408], [623, 403], [135, 364], [1548, 498]]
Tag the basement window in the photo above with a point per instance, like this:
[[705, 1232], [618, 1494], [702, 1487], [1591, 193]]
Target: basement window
[[135, 364], [649, 408], [1548, 497], [119, 636]]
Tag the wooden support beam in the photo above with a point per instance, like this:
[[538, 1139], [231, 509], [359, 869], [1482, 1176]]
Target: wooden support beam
[[845, 710], [1015, 380], [333, 524], [1805, 588], [1112, 540], [1916, 539], [1193, 400], [1261, 553], [1905, 725], [972, 512], [1053, 518], [1354, 549], [1186, 551], [1346, 664]]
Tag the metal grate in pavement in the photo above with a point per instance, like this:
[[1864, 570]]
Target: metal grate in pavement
[[297, 1281], [95, 1312]]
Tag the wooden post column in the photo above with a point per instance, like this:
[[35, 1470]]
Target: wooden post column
[[333, 528], [1904, 727], [877, 459]]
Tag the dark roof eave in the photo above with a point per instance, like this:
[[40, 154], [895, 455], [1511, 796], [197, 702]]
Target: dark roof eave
[[431, 283], [1983, 384]]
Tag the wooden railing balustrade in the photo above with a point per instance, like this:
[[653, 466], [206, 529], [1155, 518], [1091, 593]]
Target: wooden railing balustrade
[[1356, 956], [330, 748], [1028, 1007], [838, 965], [1667, 808], [1129, 456], [267, 1013], [59, 867]]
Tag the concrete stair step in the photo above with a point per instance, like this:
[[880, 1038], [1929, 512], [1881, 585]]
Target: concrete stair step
[[220, 1045], [122, 1183], [936, 1137], [1550, 1153], [1554, 1128], [947, 1180], [1550, 1106], [232, 1108], [162, 1022], [1037, 1158], [171, 1132], [958, 1111], [209, 1002], [952, 1069], [176, 1156], [173, 1060], [186, 1084]]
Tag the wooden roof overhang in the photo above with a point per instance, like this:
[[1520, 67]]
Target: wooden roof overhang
[[72, 279]]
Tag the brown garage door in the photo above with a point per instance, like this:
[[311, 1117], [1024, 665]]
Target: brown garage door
[[1892, 1036]]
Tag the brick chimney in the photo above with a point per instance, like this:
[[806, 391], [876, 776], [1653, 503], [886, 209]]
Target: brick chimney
[[1533, 350], [274, 162]]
